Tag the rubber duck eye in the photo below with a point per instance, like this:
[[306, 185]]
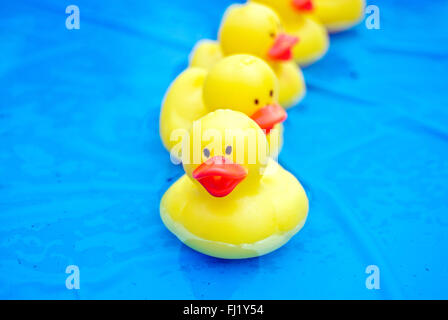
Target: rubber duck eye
[[256, 101], [271, 93], [228, 150], [272, 35], [206, 152]]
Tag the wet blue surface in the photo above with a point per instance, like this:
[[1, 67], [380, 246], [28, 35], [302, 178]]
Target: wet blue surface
[[82, 168]]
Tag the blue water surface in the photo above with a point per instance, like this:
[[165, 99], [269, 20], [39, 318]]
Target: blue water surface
[[82, 169]]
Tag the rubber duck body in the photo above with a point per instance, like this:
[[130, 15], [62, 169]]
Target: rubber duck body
[[241, 82], [227, 205], [298, 20], [334, 15], [255, 29], [338, 15]]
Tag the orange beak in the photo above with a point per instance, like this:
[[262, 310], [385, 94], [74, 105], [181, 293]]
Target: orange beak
[[219, 175], [303, 5], [281, 50], [267, 117]]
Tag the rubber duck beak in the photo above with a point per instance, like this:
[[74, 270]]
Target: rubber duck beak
[[219, 175], [302, 5], [267, 117], [282, 48]]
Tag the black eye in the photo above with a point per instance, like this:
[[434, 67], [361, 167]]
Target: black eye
[[256, 101], [228, 150], [272, 35], [206, 152], [271, 93]]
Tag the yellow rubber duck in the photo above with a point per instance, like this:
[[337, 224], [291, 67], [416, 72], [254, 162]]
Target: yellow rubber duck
[[298, 21], [240, 82], [255, 29], [338, 15], [232, 202]]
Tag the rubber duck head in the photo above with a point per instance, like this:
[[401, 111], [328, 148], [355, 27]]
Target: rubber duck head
[[247, 84], [227, 153], [282, 6], [255, 29]]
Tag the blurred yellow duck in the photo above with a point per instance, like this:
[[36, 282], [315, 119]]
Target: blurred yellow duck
[[338, 15], [255, 29], [240, 82], [303, 18], [298, 20], [230, 208]]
